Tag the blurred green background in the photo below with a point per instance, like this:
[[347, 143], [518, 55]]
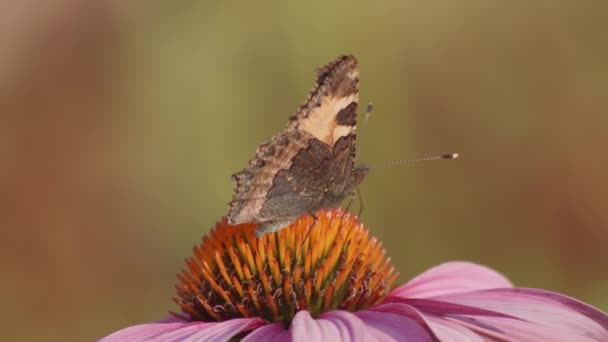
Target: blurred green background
[[121, 124]]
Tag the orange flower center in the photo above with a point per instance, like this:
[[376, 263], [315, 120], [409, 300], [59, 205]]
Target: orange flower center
[[232, 274]]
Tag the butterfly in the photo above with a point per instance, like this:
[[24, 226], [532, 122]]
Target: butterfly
[[311, 164]]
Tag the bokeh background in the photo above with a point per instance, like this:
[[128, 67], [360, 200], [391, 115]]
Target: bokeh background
[[121, 123]]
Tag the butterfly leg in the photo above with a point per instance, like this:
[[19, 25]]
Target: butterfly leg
[[314, 223], [268, 227], [360, 202]]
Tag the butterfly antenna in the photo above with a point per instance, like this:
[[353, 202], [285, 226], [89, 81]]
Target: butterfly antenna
[[408, 161]]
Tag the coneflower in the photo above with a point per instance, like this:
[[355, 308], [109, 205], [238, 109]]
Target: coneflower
[[336, 285]]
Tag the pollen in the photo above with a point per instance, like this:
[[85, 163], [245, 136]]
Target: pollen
[[318, 265]]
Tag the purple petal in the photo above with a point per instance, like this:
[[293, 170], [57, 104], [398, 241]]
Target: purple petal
[[185, 331], [386, 326], [451, 277]]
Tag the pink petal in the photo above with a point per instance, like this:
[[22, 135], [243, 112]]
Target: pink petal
[[362, 326], [533, 315], [350, 326], [185, 331], [451, 277], [333, 326], [269, 333], [441, 329], [517, 330], [596, 315], [446, 331], [386, 326], [340, 325], [440, 307]]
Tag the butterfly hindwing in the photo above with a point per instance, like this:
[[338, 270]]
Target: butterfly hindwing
[[310, 165]]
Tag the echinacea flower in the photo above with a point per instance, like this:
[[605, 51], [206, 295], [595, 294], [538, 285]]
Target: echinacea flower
[[336, 285]]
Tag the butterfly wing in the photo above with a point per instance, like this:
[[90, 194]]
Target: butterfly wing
[[294, 172]]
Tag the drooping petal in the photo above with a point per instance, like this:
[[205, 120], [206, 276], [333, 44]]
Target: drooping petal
[[442, 329], [332, 326], [596, 315], [335, 325], [439, 307], [510, 314], [386, 326], [269, 333], [447, 331], [541, 314], [185, 331], [349, 325], [451, 277]]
